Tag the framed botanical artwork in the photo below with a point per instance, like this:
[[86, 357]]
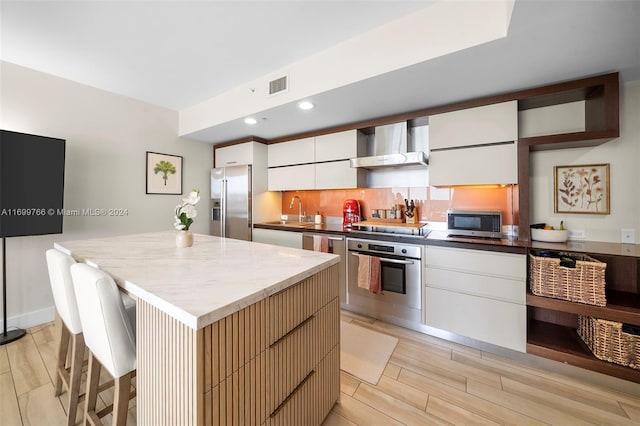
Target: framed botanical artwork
[[581, 189], [164, 173]]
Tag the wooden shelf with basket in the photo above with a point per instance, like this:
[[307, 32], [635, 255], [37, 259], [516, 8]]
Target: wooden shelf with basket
[[576, 314]]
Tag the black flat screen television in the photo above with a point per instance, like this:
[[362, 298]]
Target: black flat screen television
[[31, 184]]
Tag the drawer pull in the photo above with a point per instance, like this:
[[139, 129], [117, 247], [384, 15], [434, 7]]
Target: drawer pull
[[283, 403], [291, 331]]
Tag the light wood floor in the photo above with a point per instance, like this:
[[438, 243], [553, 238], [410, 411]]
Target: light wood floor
[[427, 381]]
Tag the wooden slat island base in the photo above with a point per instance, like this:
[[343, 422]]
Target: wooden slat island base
[[272, 360]]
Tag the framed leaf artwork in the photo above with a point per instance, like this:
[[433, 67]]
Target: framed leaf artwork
[[581, 189], [164, 173]]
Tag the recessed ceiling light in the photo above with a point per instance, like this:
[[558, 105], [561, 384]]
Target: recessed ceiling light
[[250, 121], [305, 105]]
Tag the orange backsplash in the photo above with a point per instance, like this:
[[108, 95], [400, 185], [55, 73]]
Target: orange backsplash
[[431, 203]]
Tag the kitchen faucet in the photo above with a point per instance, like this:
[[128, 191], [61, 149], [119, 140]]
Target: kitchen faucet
[[300, 216]]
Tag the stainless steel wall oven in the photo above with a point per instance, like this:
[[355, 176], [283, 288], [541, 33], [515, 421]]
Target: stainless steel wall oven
[[400, 277]]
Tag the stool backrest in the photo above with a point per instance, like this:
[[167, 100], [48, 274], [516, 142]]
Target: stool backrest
[[106, 327], [59, 264]]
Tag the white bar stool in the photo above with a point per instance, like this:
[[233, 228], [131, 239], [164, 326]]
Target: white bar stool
[[70, 329], [70, 335], [110, 337]]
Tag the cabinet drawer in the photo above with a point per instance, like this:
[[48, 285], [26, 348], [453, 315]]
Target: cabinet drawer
[[479, 285], [296, 354], [290, 307], [487, 320], [240, 398], [299, 151], [313, 398], [507, 265]]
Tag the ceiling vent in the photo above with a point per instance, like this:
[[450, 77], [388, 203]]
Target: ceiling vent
[[278, 85]]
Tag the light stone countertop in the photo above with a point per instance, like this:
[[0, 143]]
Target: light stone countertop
[[201, 284]]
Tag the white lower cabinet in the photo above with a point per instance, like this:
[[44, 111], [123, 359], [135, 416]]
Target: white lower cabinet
[[477, 294], [278, 238]]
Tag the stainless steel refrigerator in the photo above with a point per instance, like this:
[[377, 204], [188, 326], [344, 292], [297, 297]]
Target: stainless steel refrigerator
[[231, 202]]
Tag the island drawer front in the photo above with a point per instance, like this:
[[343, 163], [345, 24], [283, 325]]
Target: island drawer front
[[240, 398], [290, 359], [313, 398], [290, 307], [236, 339], [233, 341], [268, 381]]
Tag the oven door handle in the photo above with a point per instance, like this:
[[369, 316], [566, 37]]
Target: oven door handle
[[384, 259]]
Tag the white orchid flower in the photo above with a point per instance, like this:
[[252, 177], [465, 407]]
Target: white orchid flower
[[193, 198], [190, 211], [186, 212]]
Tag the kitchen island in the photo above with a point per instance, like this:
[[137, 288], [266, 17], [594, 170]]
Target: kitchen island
[[228, 331]]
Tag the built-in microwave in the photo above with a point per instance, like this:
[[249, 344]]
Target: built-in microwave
[[486, 224]]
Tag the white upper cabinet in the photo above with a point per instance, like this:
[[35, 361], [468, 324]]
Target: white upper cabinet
[[474, 146], [292, 177], [235, 154], [340, 146], [485, 165], [338, 174], [474, 126], [320, 162], [299, 151]]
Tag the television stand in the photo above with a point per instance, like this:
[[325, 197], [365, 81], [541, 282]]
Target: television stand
[[7, 336]]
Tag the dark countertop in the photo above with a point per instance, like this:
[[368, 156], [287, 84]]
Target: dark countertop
[[440, 238]]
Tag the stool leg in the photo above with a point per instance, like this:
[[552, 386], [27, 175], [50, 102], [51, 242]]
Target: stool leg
[[75, 376], [93, 379], [62, 350], [121, 400]]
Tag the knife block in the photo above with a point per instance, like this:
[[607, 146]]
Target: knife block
[[413, 219]]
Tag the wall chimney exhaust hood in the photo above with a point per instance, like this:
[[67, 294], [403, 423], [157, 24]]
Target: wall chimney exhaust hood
[[389, 149]]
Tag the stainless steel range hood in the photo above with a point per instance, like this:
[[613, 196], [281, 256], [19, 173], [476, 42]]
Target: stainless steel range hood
[[389, 149]]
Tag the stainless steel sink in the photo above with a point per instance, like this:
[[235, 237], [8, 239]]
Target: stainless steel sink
[[291, 223]]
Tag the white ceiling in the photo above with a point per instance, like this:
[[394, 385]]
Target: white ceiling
[[177, 54]]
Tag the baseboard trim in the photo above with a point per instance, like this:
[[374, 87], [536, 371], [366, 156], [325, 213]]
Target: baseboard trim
[[30, 319]]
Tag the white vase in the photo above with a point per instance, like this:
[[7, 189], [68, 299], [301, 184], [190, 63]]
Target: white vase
[[184, 239]]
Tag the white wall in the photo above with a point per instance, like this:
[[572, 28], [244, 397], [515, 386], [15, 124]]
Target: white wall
[[623, 155], [107, 138]]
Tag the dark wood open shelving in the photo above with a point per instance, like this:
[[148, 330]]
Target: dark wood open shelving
[[563, 344], [602, 123], [621, 306], [568, 140], [552, 323]]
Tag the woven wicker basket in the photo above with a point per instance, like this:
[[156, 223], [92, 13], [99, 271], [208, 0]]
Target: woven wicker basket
[[608, 342], [584, 283]]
